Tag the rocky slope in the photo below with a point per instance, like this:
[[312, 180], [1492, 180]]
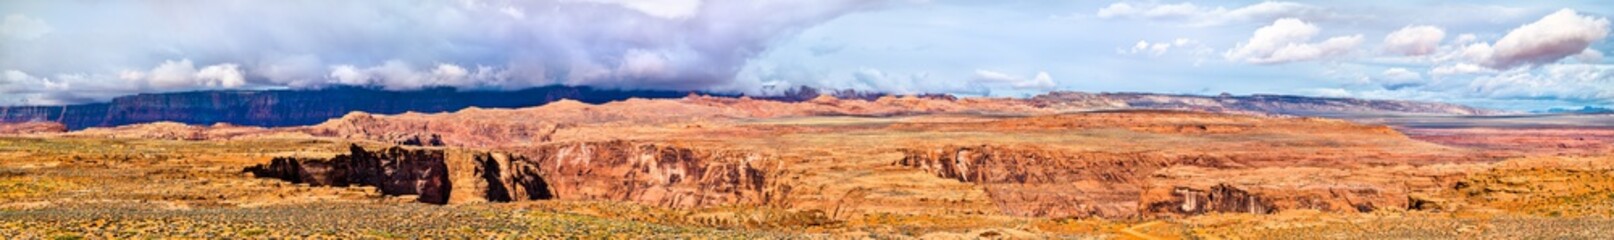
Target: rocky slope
[[31, 127]]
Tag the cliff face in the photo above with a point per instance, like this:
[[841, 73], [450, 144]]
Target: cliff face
[[299, 107], [621, 171], [654, 174], [1028, 181], [1034, 182]]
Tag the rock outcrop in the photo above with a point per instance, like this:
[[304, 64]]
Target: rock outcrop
[[437, 176], [393, 171]]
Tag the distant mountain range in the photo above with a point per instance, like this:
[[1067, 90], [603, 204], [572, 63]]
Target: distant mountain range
[[1582, 110], [1273, 104], [276, 108]]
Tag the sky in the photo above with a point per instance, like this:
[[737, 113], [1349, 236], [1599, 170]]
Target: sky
[[1516, 55]]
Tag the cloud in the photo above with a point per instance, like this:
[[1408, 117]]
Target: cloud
[[658, 8], [491, 44], [183, 75], [1415, 40], [1459, 69], [20, 88], [1195, 15], [870, 79], [1555, 36], [400, 75], [1397, 78], [1288, 40], [1589, 56], [23, 27], [1569, 82], [1042, 81], [1161, 48]]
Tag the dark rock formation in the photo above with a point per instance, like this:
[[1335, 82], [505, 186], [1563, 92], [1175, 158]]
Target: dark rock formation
[[393, 171], [275, 108]]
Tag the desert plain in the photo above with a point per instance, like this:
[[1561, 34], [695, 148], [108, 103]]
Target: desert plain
[[1063, 166]]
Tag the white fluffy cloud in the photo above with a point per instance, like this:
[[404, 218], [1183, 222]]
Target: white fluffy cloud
[[1414, 40], [1042, 81], [23, 27], [1208, 16], [1459, 69], [400, 75], [1558, 35], [183, 75], [1289, 40]]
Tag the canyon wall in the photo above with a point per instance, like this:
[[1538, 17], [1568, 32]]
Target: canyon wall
[[1030, 181], [1035, 182], [655, 174], [621, 171]]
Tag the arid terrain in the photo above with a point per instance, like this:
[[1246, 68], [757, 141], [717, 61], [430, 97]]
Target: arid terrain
[[1062, 165]]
